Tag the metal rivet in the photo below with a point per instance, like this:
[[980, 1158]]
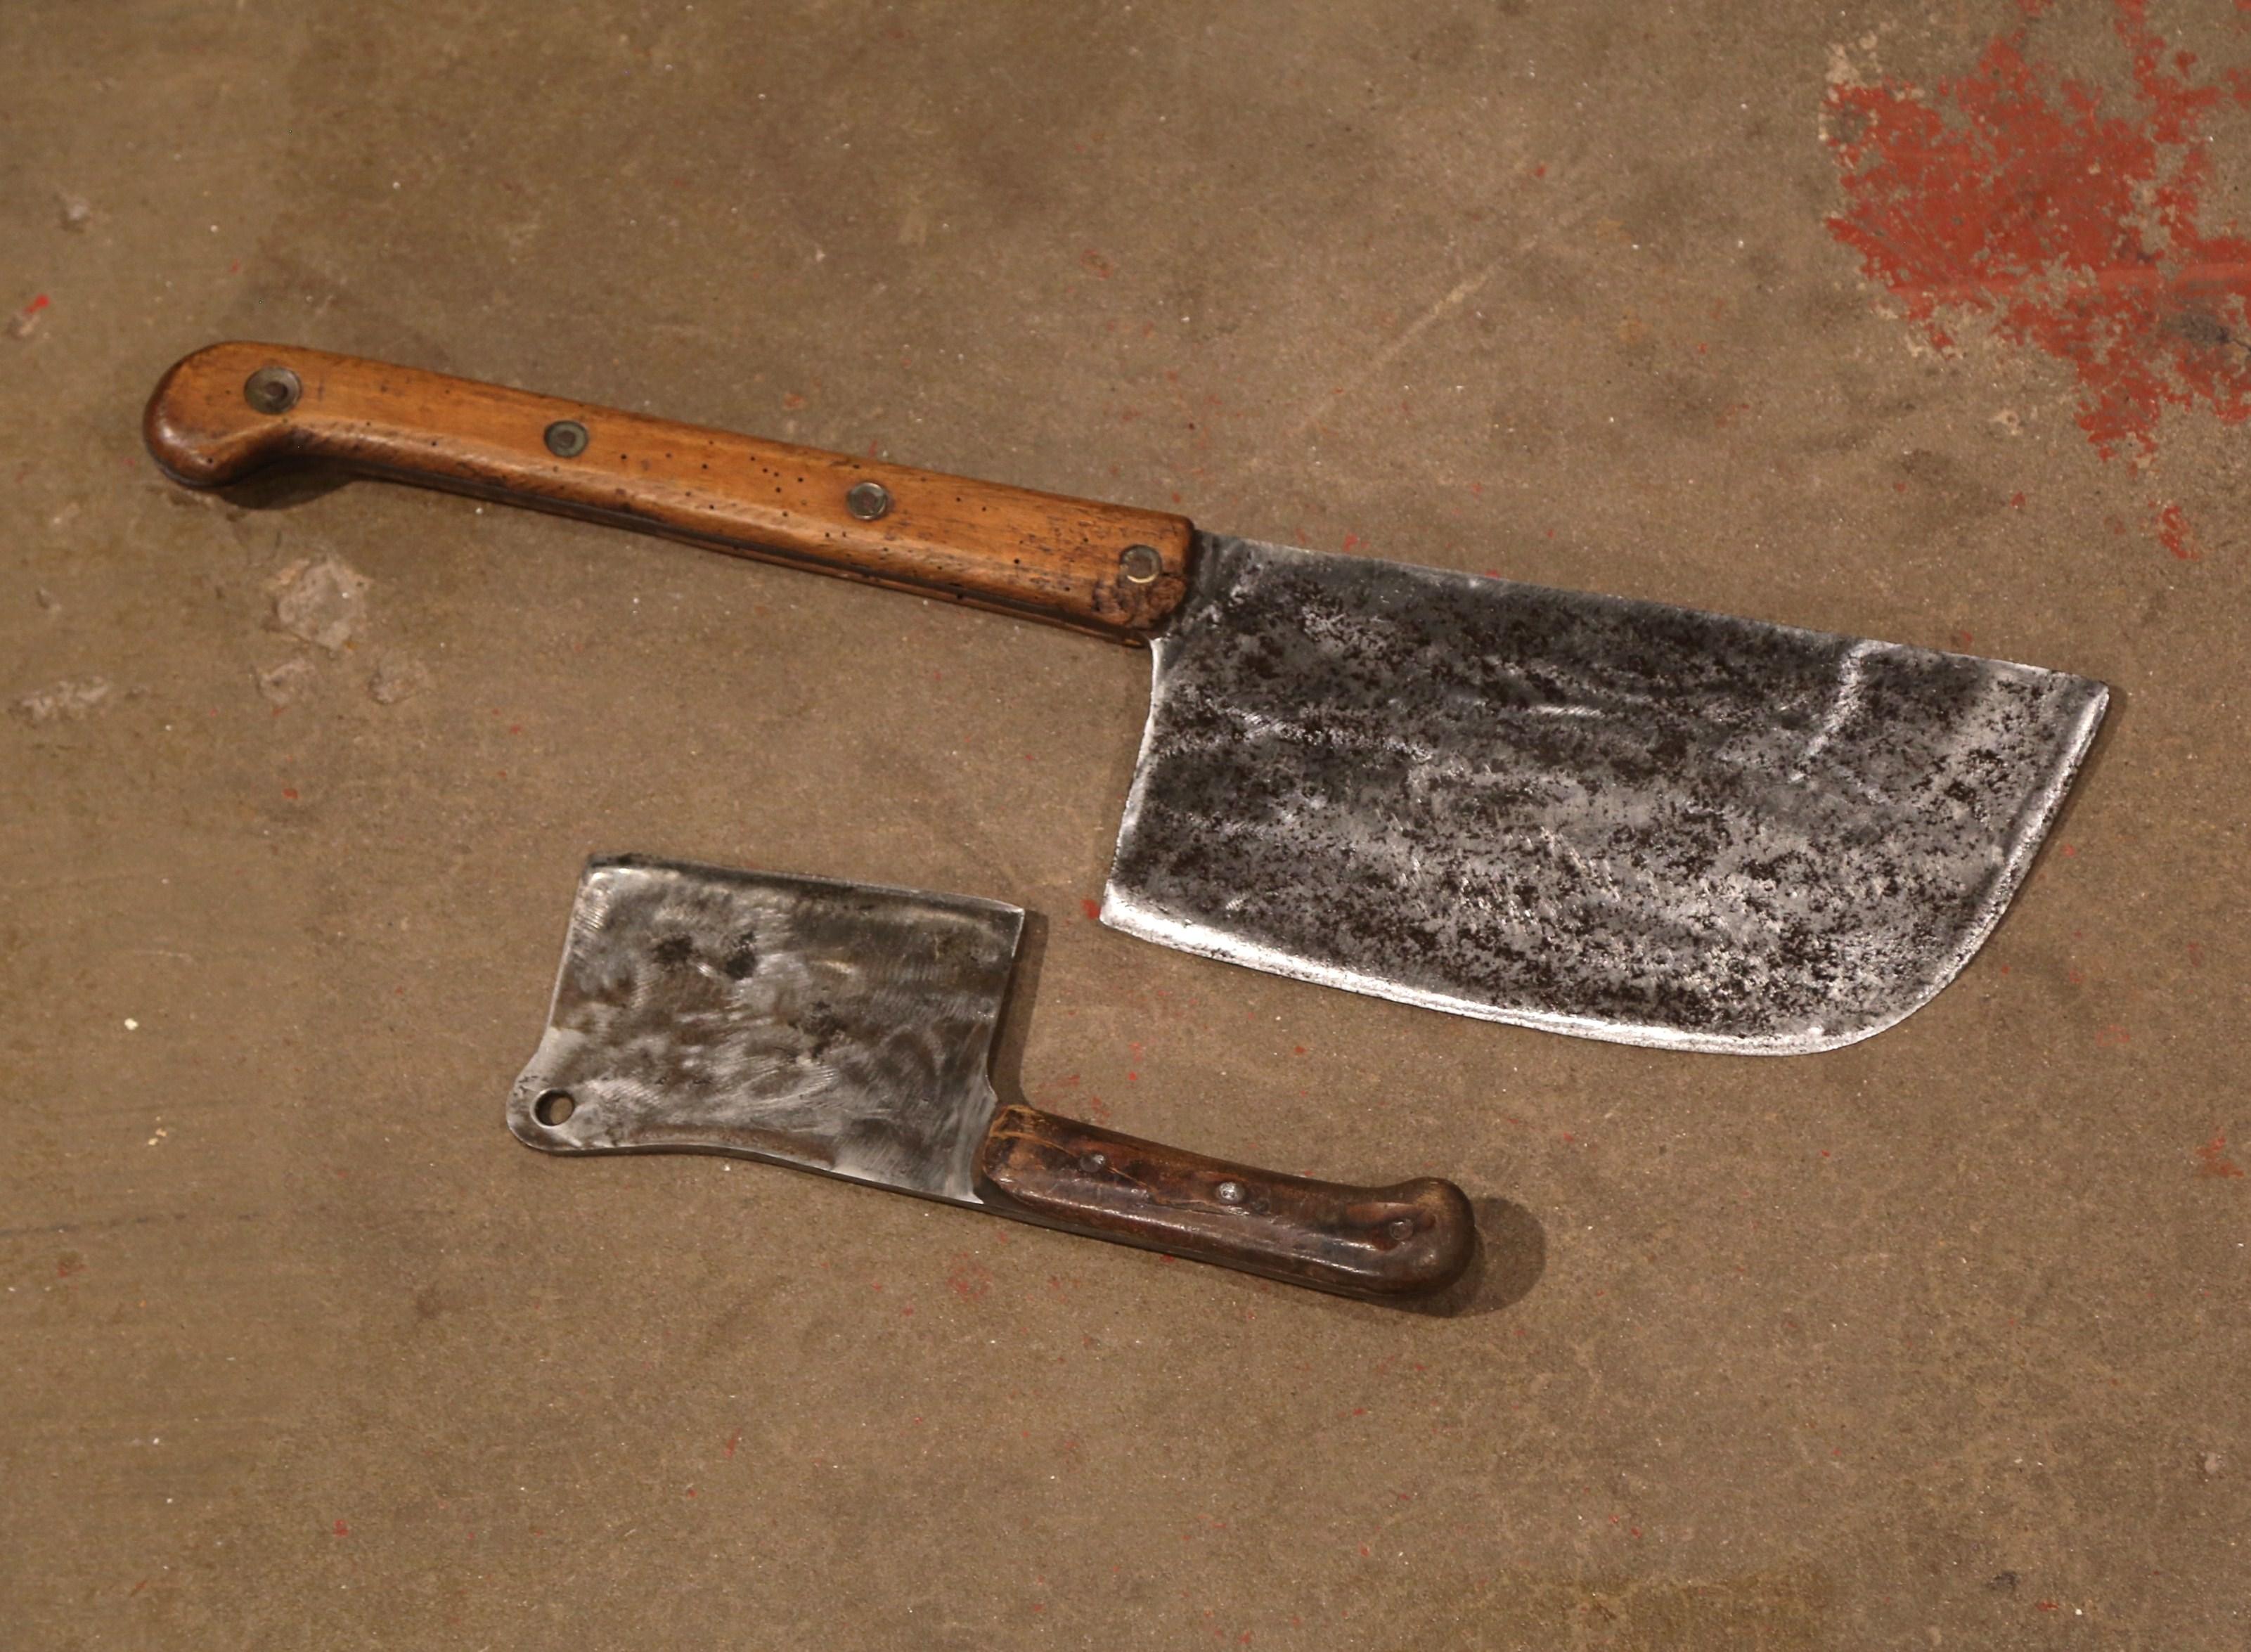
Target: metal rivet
[[1230, 1192], [554, 1107], [272, 390], [1094, 1161], [1400, 1228], [566, 438], [1140, 565], [868, 500]]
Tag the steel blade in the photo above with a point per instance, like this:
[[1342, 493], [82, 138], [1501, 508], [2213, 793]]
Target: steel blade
[[832, 1026], [1583, 814]]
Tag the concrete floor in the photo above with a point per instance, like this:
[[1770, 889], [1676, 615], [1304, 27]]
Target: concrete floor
[[1937, 1340]]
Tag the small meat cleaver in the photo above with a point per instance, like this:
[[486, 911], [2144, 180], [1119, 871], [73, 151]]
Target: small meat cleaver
[[1598, 816], [846, 1029]]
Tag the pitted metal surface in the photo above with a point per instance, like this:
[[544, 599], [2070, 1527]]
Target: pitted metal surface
[[833, 1026], [1598, 816]]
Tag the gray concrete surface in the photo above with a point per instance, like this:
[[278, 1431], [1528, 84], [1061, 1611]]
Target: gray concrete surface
[[1938, 1340]]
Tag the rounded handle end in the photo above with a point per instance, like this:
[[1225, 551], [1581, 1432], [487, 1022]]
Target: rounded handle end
[[222, 413], [1435, 1246]]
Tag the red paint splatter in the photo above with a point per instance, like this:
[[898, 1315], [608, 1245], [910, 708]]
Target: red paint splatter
[[970, 1278], [2211, 1159], [289, 793], [1095, 264], [2174, 533], [342, 1529], [2070, 222], [733, 1439], [1093, 910]]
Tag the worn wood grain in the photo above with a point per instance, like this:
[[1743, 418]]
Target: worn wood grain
[[1403, 1241], [1069, 560]]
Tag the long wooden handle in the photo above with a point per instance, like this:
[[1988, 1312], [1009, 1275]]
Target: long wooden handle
[[1403, 1241], [228, 410]]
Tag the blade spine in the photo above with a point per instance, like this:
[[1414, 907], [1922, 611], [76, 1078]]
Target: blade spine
[[632, 862], [1655, 604]]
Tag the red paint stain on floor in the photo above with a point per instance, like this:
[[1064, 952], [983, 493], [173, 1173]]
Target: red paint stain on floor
[[2211, 1159], [1092, 907], [2067, 217], [2174, 533], [969, 1278]]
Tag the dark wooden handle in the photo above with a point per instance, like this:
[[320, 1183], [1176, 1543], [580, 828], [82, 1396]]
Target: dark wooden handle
[[228, 410], [1395, 1241]]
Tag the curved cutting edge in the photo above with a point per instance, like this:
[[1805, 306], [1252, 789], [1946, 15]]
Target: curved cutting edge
[[1587, 814]]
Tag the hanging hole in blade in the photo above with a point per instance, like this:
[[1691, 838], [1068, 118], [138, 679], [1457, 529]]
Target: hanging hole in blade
[[554, 1108]]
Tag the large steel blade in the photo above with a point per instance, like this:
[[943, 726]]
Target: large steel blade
[[1596, 816]]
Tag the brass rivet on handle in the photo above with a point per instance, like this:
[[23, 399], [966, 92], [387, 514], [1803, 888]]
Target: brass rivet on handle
[[868, 500], [1140, 565], [567, 439], [272, 390]]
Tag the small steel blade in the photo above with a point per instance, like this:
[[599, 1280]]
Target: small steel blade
[[832, 1026], [1593, 815]]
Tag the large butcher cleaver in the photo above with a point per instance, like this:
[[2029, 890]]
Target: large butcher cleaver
[[1596, 816], [845, 1028]]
